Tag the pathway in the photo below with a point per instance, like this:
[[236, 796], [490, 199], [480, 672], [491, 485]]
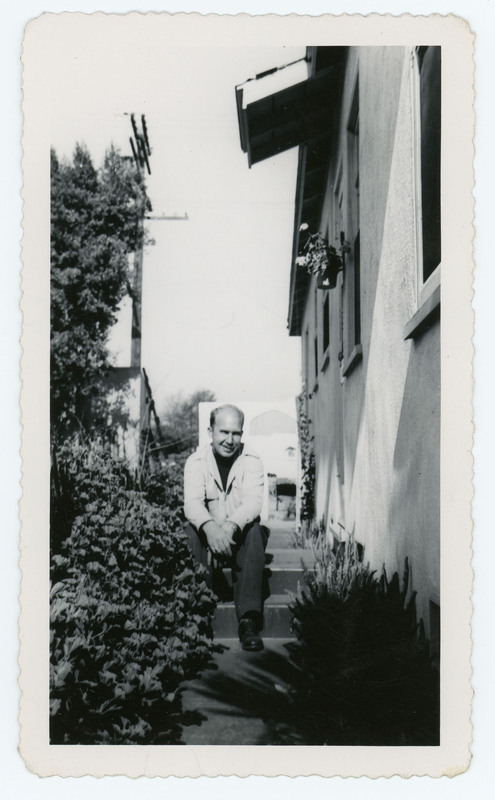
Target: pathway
[[243, 700]]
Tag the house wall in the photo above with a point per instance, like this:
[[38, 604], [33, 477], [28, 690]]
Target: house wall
[[125, 389], [377, 428]]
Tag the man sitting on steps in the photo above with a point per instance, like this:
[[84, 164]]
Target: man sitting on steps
[[223, 495]]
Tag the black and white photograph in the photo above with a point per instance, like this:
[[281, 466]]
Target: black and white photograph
[[246, 307]]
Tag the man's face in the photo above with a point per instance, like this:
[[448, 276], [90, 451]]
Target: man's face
[[226, 433]]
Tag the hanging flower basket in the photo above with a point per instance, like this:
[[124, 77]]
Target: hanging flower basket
[[321, 259]]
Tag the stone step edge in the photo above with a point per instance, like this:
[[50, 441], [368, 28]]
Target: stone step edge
[[231, 641], [291, 556], [277, 600], [291, 567]]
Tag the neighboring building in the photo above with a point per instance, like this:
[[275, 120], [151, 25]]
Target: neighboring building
[[367, 123], [128, 389], [125, 381], [271, 430]]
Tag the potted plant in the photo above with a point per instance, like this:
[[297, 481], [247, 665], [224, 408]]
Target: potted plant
[[321, 259]]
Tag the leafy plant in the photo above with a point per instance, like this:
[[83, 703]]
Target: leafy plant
[[165, 487], [364, 676], [130, 610]]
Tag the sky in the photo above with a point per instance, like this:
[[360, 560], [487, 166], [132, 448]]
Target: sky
[[215, 287]]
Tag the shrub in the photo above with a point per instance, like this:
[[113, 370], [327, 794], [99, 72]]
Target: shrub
[[130, 610], [165, 487], [364, 676]]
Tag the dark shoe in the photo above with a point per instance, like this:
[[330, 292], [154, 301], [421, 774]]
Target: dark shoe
[[249, 636]]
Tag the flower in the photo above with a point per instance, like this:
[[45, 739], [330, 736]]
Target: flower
[[319, 258]]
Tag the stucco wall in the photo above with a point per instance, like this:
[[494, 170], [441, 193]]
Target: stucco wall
[[387, 490], [393, 491]]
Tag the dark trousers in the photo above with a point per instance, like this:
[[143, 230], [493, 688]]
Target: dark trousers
[[247, 563]]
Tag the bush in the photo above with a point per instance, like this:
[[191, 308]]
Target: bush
[[130, 610], [165, 487], [364, 676]]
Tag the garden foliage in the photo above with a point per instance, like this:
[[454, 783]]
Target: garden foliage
[[130, 610], [362, 664]]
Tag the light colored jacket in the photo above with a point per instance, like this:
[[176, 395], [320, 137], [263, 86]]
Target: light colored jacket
[[205, 498]]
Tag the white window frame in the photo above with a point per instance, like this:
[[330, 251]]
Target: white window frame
[[427, 292], [352, 344], [325, 324], [338, 225]]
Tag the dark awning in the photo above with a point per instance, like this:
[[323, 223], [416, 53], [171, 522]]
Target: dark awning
[[287, 118]]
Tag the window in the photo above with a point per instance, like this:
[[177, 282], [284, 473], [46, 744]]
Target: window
[[429, 69], [306, 367], [326, 323], [338, 205], [338, 218], [352, 267], [427, 100]]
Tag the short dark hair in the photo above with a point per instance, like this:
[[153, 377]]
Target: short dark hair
[[216, 411]]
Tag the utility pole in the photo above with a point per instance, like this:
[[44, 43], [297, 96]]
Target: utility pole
[[141, 152]]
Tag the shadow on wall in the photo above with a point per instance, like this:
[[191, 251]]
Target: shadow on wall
[[414, 511], [377, 184]]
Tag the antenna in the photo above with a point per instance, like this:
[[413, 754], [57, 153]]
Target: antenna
[[140, 144], [174, 217]]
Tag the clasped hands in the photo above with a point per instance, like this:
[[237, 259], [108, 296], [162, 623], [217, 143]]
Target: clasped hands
[[220, 538]]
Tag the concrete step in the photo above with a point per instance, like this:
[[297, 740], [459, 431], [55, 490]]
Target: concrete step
[[276, 618], [284, 579], [276, 580], [281, 539], [279, 524], [293, 557], [283, 575]]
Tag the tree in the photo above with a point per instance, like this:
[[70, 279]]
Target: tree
[[180, 424], [96, 223]]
